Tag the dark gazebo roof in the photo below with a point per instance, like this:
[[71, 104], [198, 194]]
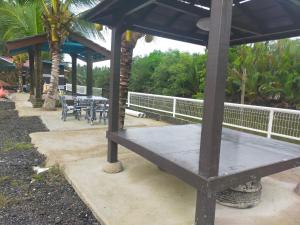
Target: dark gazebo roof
[[253, 20], [74, 45]]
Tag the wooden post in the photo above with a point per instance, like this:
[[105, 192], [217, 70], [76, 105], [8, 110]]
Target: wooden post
[[89, 74], [214, 94], [114, 90], [31, 72], [38, 76], [74, 74]]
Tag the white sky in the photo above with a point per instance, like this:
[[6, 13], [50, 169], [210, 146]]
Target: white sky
[[144, 48]]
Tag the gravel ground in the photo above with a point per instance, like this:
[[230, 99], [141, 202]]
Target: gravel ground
[[27, 198]]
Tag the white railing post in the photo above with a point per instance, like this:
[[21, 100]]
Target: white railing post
[[128, 99], [270, 125], [174, 107]]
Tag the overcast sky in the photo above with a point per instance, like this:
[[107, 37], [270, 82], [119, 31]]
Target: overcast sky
[[144, 48]]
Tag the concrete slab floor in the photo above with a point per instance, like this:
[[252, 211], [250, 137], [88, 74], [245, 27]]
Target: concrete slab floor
[[142, 194], [52, 118], [66, 146]]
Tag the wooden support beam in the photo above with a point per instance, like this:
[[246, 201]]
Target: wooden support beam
[[26, 42], [89, 74], [266, 37], [38, 71], [74, 74], [114, 90], [205, 207], [214, 95], [169, 33], [31, 72]]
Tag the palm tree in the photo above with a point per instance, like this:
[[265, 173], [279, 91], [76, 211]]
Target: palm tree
[[19, 20], [19, 61], [129, 41], [59, 21]]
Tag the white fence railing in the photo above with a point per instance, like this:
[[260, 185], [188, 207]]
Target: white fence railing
[[270, 121], [82, 90]]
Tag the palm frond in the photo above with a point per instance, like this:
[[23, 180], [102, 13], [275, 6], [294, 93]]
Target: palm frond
[[86, 29], [80, 3], [24, 20]]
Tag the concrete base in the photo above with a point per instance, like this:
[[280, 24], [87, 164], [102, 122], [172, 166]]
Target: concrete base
[[112, 168], [297, 189]]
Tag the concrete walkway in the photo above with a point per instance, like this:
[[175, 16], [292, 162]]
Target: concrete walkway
[[142, 194]]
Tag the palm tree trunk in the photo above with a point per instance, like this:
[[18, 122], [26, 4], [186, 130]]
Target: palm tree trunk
[[127, 47], [20, 80], [243, 91], [52, 94]]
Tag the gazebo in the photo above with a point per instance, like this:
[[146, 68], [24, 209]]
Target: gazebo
[[77, 46], [207, 156]]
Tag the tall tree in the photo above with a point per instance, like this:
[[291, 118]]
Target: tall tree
[[19, 61], [19, 20], [129, 41], [59, 21]]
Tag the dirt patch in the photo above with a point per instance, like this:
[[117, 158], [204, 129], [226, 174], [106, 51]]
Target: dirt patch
[[27, 198]]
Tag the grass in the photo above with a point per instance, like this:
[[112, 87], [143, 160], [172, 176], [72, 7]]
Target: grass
[[20, 146], [4, 179], [3, 201]]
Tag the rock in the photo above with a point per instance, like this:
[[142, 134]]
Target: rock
[[57, 220], [39, 170], [6, 104]]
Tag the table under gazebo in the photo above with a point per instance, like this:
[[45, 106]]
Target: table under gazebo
[[77, 46], [206, 156]]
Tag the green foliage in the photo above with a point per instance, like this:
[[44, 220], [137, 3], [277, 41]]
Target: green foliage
[[272, 69], [19, 20], [10, 146], [272, 73], [170, 73], [4, 200], [4, 179], [100, 75]]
